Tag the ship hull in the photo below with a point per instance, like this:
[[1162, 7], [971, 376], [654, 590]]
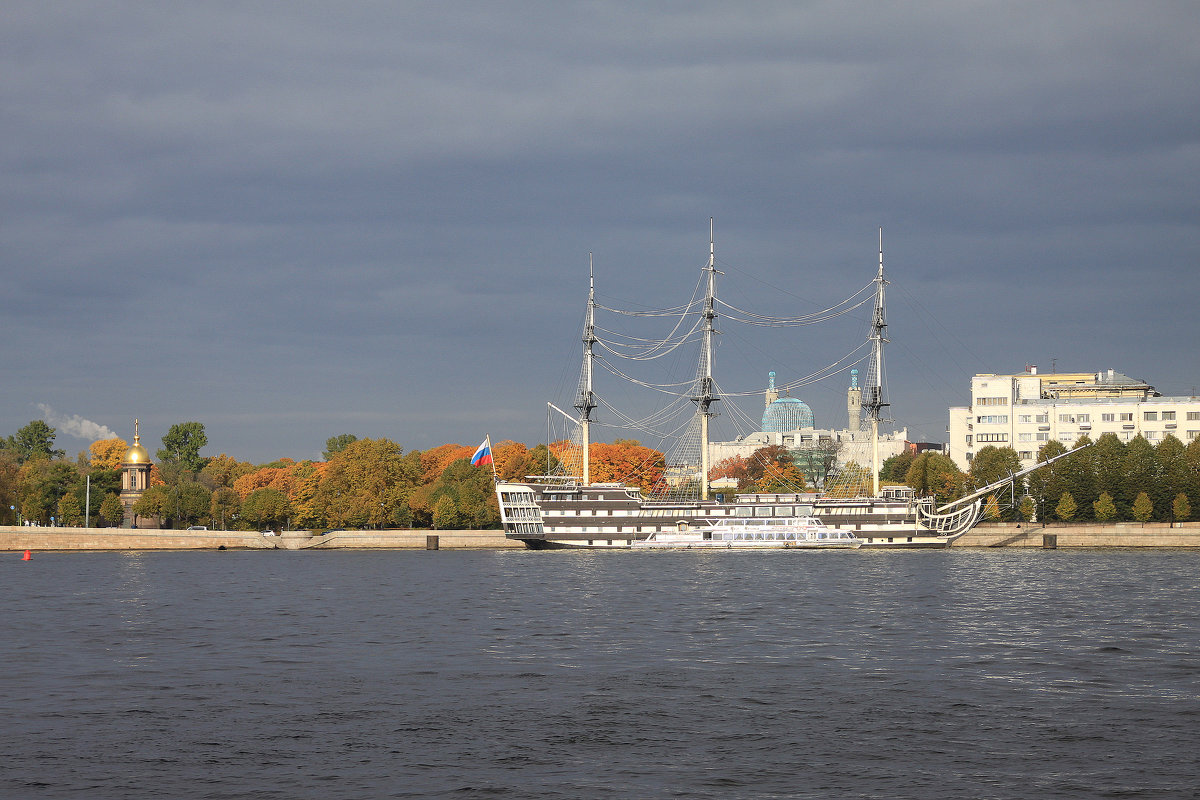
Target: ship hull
[[612, 516]]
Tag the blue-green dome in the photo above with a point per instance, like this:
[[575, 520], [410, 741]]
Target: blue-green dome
[[787, 414]]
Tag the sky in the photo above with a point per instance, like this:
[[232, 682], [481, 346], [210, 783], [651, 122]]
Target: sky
[[293, 221]]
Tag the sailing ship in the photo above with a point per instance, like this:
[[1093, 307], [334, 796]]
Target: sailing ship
[[566, 509]]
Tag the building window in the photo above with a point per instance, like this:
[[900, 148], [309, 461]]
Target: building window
[[1193, 435], [1083, 419], [1152, 435], [1024, 437], [1108, 417], [1168, 416], [1150, 416], [993, 419], [991, 401], [1126, 416], [1026, 455], [1065, 418], [1042, 418], [991, 437], [1024, 418], [968, 440], [1043, 437]]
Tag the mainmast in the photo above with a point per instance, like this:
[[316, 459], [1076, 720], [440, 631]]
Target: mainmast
[[704, 396], [873, 402], [586, 401]]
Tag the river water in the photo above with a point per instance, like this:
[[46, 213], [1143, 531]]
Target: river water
[[493, 674]]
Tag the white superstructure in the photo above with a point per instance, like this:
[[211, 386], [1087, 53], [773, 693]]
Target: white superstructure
[[1026, 410]]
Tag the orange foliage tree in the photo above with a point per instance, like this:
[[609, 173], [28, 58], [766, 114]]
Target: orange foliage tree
[[107, 453], [623, 461]]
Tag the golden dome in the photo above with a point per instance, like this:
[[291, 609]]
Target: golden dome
[[137, 454]]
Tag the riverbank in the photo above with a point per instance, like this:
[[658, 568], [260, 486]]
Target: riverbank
[[1011, 534], [14, 538]]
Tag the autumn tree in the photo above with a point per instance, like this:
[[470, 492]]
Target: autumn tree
[[1181, 509], [1104, 508], [365, 483], [991, 509], [1143, 507], [223, 470], [626, 461], [1026, 508], [107, 453], [1066, 508], [445, 513]]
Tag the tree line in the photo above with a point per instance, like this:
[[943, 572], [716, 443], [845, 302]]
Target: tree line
[[1110, 480], [362, 483]]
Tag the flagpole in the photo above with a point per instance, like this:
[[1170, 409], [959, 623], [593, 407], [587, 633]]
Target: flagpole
[[495, 476]]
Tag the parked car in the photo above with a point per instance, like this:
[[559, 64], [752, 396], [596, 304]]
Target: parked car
[[269, 533], [197, 527]]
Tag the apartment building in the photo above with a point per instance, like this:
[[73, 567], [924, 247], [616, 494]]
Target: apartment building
[[1026, 410]]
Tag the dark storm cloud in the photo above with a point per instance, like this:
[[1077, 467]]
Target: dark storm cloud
[[295, 221]]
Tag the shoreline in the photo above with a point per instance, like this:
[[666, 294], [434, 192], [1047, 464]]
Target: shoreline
[[1004, 534]]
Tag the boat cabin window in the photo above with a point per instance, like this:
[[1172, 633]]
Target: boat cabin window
[[764, 511]]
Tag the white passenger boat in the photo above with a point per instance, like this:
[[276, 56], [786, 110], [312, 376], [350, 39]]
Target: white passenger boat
[[800, 533]]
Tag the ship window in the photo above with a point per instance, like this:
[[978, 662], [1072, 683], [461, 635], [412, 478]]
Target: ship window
[[764, 511]]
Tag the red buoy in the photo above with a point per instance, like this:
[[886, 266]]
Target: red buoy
[[28, 556]]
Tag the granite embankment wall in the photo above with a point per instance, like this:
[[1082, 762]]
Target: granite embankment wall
[[1084, 534], [1121, 534], [43, 539]]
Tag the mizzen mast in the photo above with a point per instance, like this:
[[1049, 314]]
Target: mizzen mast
[[586, 401], [873, 401]]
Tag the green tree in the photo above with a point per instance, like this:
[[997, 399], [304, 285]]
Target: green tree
[[1174, 474], [264, 507], [1078, 473], [1066, 508], [1143, 507], [1104, 508], [35, 440], [41, 484], [895, 469], [1181, 509], [1046, 485], [70, 512], [192, 503], [1108, 456], [933, 474], [182, 445], [112, 511], [992, 464], [336, 444], [223, 507], [155, 502], [445, 513], [1141, 472], [9, 476]]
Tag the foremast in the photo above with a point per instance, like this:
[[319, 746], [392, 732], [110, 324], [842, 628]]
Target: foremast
[[872, 399], [705, 395]]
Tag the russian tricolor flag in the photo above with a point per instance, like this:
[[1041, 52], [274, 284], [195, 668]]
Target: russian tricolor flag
[[483, 455]]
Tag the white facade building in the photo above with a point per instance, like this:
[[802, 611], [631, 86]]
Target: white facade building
[[1026, 410]]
